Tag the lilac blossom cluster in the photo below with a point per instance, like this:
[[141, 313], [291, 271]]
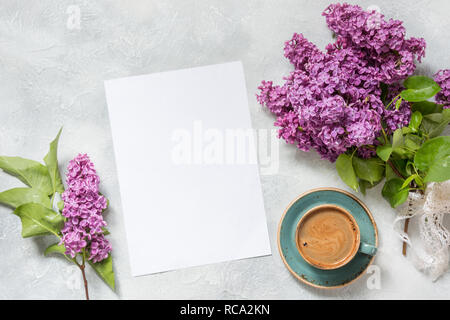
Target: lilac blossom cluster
[[443, 80], [332, 100], [83, 207]]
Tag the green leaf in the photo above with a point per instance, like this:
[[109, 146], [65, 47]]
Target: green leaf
[[30, 172], [371, 169], [398, 103], [38, 220], [60, 205], [59, 249], [409, 168], [397, 139], [416, 120], [398, 145], [384, 152], [402, 153], [19, 196], [393, 192], [104, 269], [51, 160], [406, 130], [55, 248], [433, 158], [408, 181], [412, 141], [419, 181], [419, 88], [400, 164], [345, 170], [431, 151], [364, 185], [389, 173], [426, 107], [439, 171], [435, 123]]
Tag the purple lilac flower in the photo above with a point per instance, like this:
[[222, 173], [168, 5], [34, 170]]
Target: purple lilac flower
[[443, 80], [381, 42], [83, 207], [332, 100], [366, 152]]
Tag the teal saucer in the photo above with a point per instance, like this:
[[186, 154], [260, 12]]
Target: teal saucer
[[301, 269]]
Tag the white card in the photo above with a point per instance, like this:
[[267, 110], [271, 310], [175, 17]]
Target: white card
[[190, 189]]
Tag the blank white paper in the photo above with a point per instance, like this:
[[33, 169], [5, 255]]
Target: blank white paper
[[183, 206]]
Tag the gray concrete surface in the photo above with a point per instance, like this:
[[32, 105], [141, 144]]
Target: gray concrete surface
[[51, 74]]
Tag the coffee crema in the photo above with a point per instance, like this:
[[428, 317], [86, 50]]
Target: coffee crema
[[328, 237]]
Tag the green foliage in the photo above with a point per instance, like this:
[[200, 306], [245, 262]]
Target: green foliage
[[55, 248], [416, 120], [409, 157], [433, 124], [384, 151], [104, 269], [34, 204], [412, 177], [59, 249], [38, 220], [60, 205], [30, 172], [345, 170], [370, 170], [412, 142], [397, 139], [359, 173], [419, 88], [51, 160], [18, 196], [433, 158], [398, 103], [426, 107], [394, 193]]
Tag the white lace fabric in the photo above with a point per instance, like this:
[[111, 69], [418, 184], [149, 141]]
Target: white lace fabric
[[430, 208]]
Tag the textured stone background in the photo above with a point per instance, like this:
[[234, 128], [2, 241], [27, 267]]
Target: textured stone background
[[51, 75]]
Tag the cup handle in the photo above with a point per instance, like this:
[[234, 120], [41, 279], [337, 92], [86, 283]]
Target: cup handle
[[367, 249]]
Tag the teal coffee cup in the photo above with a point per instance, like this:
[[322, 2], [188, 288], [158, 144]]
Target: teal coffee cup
[[328, 237]]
